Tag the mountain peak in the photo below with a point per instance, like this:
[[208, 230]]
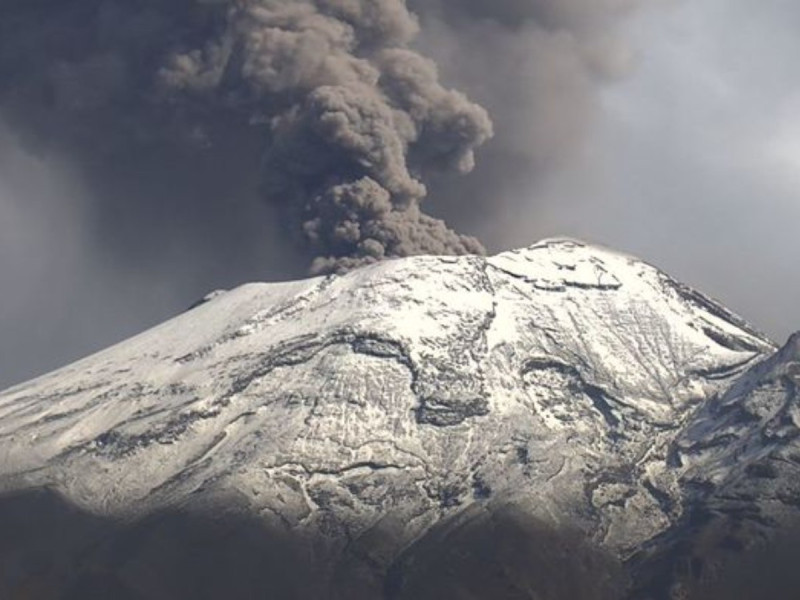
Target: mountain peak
[[554, 379], [792, 346]]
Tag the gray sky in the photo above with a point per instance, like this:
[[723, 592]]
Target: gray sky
[[695, 165], [689, 157]]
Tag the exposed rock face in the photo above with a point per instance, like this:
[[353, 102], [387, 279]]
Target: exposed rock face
[[738, 460], [575, 386]]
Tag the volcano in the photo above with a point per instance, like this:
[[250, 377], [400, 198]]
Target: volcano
[[560, 421]]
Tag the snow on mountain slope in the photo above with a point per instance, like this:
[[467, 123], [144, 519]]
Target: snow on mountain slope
[[737, 460], [745, 444], [755, 416], [553, 378]]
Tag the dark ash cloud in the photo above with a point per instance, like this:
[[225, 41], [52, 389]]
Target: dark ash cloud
[[349, 120], [176, 120]]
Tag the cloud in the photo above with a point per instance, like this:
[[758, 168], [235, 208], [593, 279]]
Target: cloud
[[325, 94], [538, 67]]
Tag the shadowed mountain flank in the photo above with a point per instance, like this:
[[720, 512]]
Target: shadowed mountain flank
[[50, 550]]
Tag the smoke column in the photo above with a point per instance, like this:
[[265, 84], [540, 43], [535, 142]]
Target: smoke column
[[158, 130], [349, 119]]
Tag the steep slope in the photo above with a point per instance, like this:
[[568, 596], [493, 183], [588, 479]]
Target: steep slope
[[561, 380], [746, 442], [738, 460]]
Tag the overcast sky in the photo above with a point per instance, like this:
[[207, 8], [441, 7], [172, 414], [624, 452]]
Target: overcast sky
[[692, 162], [695, 165]]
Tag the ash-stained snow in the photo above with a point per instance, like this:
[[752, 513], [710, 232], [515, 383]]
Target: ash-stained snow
[[559, 378]]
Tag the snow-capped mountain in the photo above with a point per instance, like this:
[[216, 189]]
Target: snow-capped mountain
[[570, 383]]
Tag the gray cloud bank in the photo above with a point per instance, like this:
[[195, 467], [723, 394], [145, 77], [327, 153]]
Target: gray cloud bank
[[537, 66], [334, 99]]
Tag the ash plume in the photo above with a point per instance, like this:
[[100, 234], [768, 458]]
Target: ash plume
[[538, 66], [348, 120]]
